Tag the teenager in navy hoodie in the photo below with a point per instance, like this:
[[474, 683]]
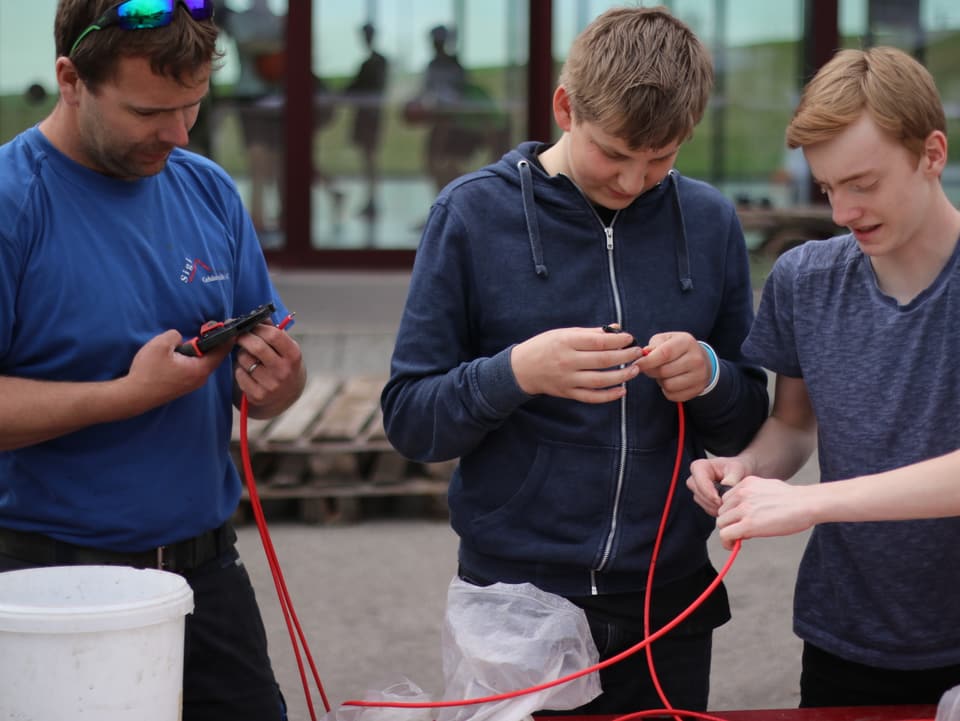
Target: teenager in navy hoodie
[[567, 434]]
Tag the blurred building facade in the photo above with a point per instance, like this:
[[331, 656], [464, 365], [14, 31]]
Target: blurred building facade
[[339, 132]]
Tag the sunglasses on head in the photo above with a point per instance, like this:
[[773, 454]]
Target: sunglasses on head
[[139, 14]]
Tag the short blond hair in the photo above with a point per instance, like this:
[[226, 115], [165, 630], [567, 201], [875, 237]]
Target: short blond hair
[[895, 89], [639, 74]]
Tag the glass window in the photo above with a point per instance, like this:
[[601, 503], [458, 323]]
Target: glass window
[[414, 94], [244, 121], [756, 47], [930, 31]]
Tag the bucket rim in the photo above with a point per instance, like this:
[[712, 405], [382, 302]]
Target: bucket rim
[[172, 599]]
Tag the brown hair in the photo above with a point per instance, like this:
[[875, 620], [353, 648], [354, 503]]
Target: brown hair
[[640, 74], [176, 50], [894, 88]]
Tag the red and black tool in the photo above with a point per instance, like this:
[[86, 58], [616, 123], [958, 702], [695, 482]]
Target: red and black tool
[[215, 332]]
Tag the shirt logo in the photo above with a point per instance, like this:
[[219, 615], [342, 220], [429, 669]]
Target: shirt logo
[[207, 274]]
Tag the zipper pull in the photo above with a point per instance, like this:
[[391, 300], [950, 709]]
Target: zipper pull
[[609, 232]]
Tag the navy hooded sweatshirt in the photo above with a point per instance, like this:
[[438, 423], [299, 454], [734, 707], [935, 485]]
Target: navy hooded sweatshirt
[[564, 494]]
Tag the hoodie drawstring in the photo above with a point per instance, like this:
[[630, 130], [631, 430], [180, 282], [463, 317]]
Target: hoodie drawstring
[[684, 275], [683, 255], [530, 213]]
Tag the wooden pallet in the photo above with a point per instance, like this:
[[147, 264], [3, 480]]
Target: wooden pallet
[[328, 451]]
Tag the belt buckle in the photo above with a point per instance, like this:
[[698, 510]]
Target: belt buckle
[[161, 561]]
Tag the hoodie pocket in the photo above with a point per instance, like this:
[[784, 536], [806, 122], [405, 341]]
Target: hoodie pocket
[[564, 501]]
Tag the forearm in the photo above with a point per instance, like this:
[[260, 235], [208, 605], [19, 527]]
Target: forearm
[[729, 416], [779, 449], [444, 416], [788, 437], [929, 489], [34, 411]]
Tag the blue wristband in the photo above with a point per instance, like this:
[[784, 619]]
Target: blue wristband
[[714, 368]]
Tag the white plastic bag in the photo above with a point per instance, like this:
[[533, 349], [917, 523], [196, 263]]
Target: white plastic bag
[[949, 707], [505, 637]]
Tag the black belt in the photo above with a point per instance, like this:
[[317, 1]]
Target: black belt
[[176, 557]]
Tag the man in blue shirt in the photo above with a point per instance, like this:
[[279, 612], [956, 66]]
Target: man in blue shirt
[[115, 246]]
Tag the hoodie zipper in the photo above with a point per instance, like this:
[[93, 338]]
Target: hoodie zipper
[[621, 465]]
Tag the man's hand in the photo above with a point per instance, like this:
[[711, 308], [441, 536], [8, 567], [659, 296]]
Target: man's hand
[[159, 375], [269, 370], [583, 364]]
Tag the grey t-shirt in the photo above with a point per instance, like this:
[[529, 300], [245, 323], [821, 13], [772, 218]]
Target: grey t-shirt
[[884, 382]]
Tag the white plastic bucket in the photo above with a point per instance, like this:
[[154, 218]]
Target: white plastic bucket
[[98, 642]]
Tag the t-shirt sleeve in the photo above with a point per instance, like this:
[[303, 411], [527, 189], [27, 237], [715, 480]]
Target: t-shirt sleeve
[[9, 263], [771, 342]]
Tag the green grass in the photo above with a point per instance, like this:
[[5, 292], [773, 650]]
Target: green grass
[[16, 114]]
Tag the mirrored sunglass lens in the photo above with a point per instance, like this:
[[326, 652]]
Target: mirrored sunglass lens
[[137, 14]]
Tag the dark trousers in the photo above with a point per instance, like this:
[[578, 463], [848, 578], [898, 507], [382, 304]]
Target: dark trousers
[[828, 680], [227, 672], [681, 660]]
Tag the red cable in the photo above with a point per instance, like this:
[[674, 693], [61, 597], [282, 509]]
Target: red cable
[[645, 643], [286, 604], [289, 613], [290, 617], [681, 434]]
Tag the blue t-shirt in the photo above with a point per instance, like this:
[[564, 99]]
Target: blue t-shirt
[[884, 383], [91, 268]]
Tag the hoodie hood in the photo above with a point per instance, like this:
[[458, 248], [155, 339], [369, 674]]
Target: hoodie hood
[[521, 168]]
